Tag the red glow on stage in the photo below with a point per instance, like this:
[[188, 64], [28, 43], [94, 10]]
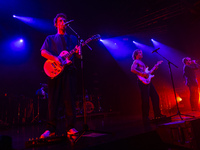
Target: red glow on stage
[[179, 99]]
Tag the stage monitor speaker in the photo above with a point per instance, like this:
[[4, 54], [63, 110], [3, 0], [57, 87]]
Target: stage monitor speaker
[[184, 133], [5, 142]]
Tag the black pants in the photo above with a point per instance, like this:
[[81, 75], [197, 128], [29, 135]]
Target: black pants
[[146, 92], [62, 91], [194, 97]]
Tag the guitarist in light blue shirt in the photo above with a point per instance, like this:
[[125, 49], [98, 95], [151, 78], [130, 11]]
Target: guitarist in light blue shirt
[[146, 87]]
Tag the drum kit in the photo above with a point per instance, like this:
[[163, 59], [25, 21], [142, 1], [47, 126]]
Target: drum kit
[[41, 103], [93, 104]]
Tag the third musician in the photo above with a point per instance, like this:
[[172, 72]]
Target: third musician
[[191, 81]]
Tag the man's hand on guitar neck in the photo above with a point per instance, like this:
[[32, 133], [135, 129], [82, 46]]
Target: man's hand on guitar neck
[[156, 67], [78, 53], [77, 48]]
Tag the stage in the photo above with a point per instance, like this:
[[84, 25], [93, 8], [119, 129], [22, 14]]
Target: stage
[[106, 131]]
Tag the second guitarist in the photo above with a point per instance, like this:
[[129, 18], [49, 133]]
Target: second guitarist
[[147, 89]]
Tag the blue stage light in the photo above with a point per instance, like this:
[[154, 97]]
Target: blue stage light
[[44, 25], [21, 40], [18, 44]]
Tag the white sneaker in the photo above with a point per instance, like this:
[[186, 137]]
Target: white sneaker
[[47, 134], [72, 131]]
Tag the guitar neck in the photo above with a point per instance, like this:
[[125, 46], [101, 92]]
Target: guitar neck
[[74, 50], [152, 70], [155, 66]]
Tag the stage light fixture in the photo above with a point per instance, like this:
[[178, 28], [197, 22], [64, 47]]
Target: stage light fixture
[[21, 40], [18, 44]]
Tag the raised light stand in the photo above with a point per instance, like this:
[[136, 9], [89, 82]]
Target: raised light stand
[[85, 126], [169, 64]]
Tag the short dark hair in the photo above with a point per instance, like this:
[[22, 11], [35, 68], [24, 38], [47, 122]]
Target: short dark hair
[[135, 53], [184, 60], [59, 15]]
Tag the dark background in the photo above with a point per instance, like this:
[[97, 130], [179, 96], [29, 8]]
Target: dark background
[[174, 22]]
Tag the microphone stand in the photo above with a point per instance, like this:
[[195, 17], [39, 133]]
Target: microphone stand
[[85, 126], [169, 64]]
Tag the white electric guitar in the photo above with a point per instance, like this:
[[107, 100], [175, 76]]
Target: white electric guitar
[[53, 69], [148, 80]]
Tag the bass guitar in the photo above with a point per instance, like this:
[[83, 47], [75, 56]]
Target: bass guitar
[[53, 69], [148, 79]]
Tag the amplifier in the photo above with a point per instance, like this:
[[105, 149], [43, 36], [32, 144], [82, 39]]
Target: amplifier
[[185, 133]]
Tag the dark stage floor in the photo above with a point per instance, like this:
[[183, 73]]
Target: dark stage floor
[[118, 132]]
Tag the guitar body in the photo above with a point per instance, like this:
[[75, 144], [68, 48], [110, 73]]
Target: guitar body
[[146, 80], [53, 69]]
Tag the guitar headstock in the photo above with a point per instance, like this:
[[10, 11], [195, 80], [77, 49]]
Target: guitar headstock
[[159, 62], [94, 37]]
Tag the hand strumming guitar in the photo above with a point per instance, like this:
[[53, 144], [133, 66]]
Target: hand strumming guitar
[[56, 60], [145, 75]]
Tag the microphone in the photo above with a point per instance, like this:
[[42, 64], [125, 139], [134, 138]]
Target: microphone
[[68, 22], [155, 50], [195, 61]]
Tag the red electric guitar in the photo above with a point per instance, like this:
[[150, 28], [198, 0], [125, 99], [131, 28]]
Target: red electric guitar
[[53, 69]]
